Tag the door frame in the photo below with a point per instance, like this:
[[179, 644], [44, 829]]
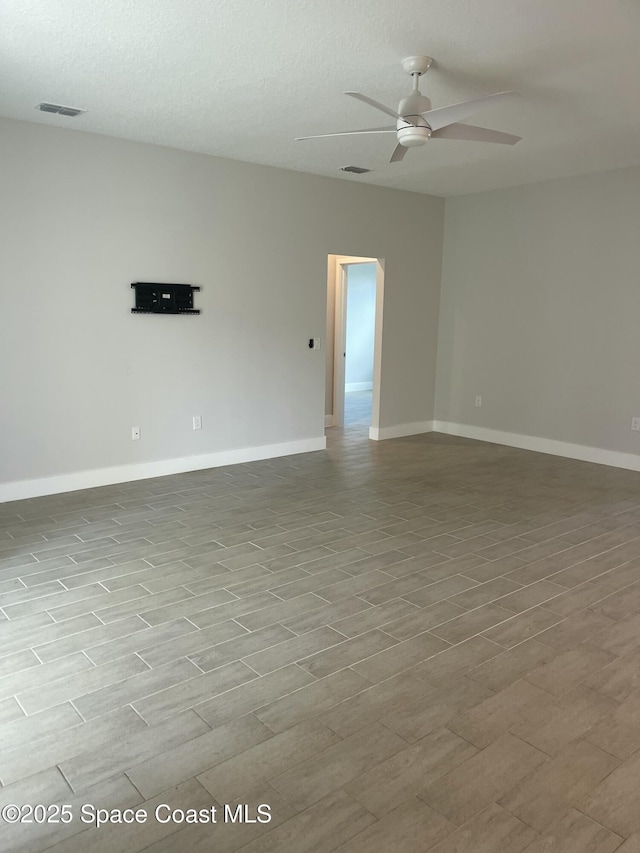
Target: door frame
[[342, 262]]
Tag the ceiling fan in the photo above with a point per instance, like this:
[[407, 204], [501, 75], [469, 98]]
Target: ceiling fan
[[416, 122]]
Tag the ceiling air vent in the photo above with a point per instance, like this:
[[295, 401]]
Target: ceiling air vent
[[59, 109], [356, 170]]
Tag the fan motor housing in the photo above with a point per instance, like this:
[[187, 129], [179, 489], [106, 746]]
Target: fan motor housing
[[412, 135]]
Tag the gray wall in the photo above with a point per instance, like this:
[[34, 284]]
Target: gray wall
[[361, 321], [540, 310], [82, 216]]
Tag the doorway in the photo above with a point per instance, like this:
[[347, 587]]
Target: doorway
[[355, 291]]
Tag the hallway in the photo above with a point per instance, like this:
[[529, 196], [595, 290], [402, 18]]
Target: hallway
[[357, 409]]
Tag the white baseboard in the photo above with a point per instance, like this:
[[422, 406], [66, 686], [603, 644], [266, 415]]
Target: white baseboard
[[542, 445], [400, 430], [145, 470], [358, 386], [141, 471], [329, 421]]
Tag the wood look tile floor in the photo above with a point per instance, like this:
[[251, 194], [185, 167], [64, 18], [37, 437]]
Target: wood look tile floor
[[424, 644]]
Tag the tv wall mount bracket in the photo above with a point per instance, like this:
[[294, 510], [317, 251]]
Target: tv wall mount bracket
[[155, 298]]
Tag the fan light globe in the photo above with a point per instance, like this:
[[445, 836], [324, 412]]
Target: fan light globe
[[412, 136], [413, 131]]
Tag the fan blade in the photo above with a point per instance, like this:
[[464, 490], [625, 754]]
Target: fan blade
[[444, 116], [388, 129], [376, 104], [398, 153], [474, 134]]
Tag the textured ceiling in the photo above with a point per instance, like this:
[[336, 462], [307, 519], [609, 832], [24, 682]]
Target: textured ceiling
[[242, 78]]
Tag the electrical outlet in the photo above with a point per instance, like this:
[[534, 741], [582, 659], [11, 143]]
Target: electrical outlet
[[478, 400], [635, 424], [197, 421], [135, 433]]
